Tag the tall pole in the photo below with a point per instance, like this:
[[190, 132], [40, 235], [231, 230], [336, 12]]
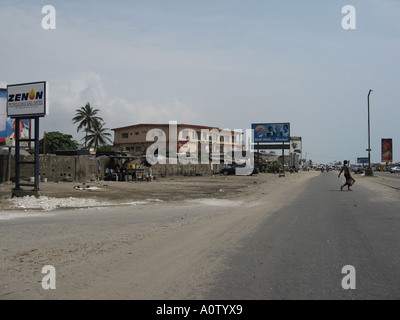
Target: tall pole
[[44, 142], [369, 135]]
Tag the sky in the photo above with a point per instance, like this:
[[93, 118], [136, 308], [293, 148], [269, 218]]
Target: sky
[[224, 63]]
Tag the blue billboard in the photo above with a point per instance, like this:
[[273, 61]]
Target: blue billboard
[[3, 114], [363, 160], [7, 134], [271, 132]]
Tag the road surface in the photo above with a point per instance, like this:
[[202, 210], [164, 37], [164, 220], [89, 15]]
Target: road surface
[[299, 252], [283, 238]]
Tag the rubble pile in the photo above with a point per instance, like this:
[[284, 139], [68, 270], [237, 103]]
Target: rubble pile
[[50, 204]]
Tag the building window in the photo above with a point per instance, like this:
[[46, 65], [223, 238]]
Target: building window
[[137, 133], [125, 136]]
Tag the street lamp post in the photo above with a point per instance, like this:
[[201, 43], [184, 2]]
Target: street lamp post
[[369, 172]]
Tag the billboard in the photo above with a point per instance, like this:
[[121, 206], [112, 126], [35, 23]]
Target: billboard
[[363, 160], [7, 135], [295, 145], [3, 109], [27, 100], [271, 132], [387, 150]]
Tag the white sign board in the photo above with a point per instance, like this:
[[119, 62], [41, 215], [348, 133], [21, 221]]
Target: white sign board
[[27, 100], [295, 145]]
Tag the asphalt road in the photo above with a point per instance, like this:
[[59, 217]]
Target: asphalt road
[[299, 251]]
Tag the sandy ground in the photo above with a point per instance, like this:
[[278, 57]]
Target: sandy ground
[[164, 189], [160, 240]]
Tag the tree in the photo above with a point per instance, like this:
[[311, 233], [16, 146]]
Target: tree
[[97, 135], [105, 148], [86, 117], [58, 141]]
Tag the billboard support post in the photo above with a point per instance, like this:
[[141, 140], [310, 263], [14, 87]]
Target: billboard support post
[[283, 160], [8, 177], [17, 191]]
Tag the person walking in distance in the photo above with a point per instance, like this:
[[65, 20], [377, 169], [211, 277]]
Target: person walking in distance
[[349, 180]]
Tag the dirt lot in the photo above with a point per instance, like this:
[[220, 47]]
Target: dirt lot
[[176, 188], [164, 189]]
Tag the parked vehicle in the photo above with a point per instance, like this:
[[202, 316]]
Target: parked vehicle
[[395, 170], [357, 168], [231, 170]]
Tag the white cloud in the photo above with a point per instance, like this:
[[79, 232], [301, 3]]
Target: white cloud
[[71, 94], [126, 113], [68, 95]]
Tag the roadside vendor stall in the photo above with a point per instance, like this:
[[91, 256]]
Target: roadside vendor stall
[[135, 172]]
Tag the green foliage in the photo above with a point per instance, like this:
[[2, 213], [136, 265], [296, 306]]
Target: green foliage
[[274, 167], [86, 117], [58, 141], [97, 135], [106, 148]]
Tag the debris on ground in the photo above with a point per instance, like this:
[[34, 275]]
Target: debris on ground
[[50, 204]]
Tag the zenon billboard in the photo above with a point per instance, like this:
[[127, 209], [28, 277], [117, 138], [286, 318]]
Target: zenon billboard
[[27, 100]]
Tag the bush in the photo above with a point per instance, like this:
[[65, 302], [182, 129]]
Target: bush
[[274, 167]]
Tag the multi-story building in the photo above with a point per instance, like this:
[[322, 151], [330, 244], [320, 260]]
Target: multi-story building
[[138, 138]]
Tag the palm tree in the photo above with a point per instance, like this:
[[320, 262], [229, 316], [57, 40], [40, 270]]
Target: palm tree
[[97, 135], [86, 117]]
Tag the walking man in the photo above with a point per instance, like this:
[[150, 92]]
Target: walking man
[[349, 180]]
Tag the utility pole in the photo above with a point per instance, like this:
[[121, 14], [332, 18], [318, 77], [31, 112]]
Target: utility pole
[[369, 172], [44, 142]]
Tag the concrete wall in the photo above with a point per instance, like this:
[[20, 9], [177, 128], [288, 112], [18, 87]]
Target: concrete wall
[[56, 168], [185, 170], [83, 168]]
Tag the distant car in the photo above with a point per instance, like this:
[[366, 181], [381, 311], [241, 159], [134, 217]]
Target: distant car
[[395, 170], [231, 170], [357, 168]]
